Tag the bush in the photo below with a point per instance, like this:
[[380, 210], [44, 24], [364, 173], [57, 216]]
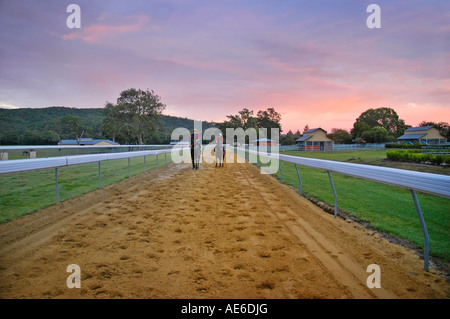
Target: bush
[[416, 156], [438, 159], [393, 155], [447, 160]]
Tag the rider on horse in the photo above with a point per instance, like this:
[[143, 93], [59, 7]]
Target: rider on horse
[[219, 150], [195, 149]]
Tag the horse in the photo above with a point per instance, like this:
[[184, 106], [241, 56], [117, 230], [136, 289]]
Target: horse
[[219, 150], [196, 152], [196, 149]]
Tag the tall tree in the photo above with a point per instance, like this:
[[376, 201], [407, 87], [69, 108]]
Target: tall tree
[[384, 117], [247, 119], [358, 129], [306, 128], [269, 119], [138, 110], [288, 139], [72, 124], [377, 134], [340, 136]]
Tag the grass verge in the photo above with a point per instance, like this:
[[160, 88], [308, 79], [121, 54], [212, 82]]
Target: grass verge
[[24, 193], [385, 207]]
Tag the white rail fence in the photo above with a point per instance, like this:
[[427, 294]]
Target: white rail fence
[[434, 184], [25, 151], [24, 165]]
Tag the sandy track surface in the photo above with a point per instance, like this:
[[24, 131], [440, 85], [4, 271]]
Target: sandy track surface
[[213, 233]]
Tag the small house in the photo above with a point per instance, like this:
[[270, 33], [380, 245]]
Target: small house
[[315, 139], [428, 135]]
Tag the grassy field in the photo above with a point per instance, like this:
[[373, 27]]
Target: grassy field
[[23, 193], [390, 209]]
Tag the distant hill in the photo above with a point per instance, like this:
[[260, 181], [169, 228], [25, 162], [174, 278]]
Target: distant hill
[[27, 126]]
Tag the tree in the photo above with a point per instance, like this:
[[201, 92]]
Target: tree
[[377, 134], [358, 129], [288, 139], [114, 126], [247, 119], [306, 128], [48, 138], [269, 119], [384, 117], [340, 136], [244, 119], [137, 110], [72, 125], [265, 119]]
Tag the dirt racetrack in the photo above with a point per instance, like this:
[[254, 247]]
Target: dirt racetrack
[[213, 233]]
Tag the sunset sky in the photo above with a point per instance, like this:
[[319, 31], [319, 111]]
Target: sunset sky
[[316, 62]]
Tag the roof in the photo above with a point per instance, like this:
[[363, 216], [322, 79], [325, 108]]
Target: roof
[[312, 130], [411, 136], [85, 141], [421, 128], [303, 138]]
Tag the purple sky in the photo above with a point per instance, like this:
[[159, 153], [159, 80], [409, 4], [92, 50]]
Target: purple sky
[[316, 62]]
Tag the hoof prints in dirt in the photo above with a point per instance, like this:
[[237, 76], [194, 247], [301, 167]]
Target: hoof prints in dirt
[[228, 233]]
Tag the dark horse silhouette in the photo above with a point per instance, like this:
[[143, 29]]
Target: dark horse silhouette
[[196, 149], [197, 154]]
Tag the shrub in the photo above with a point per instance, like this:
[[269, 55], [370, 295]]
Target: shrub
[[403, 146], [426, 158], [438, 159], [393, 155], [415, 156], [447, 160]]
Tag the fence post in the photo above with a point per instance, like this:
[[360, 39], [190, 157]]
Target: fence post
[[300, 180], [281, 171], [335, 195], [165, 161], [129, 170], [99, 174], [156, 159], [424, 230], [57, 186]]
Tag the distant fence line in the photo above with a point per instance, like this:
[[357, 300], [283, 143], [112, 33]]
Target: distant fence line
[[336, 147], [24, 151]]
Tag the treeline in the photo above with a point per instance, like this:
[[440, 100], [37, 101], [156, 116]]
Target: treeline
[[262, 121], [379, 125], [136, 118], [47, 126]]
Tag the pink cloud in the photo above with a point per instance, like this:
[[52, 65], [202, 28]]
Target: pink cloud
[[94, 33]]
